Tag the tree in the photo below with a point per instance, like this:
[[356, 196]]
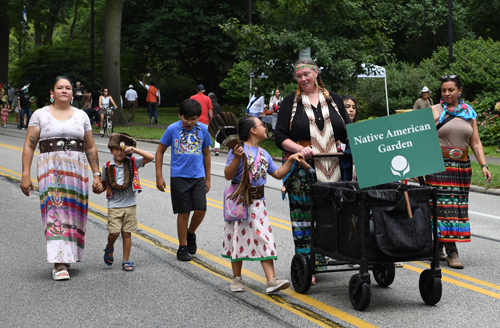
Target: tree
[[111, 55], [342, 35], [182, 37]]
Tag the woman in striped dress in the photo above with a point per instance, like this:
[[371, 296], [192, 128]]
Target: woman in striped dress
[[66, 144], [457, 129]]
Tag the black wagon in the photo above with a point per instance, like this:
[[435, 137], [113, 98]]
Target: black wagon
[[371, 229]]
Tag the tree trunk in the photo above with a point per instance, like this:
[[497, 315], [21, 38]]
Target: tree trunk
[[111, 55], [4, 50], [54, 9], [72, 30], [38, 33]]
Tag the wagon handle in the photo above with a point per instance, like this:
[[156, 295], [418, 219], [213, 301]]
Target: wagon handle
[[404, 189]]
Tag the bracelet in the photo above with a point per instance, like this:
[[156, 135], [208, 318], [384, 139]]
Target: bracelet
[[97, 174], [485, 165]]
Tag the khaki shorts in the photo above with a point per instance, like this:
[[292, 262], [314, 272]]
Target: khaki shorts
[[122, 219]]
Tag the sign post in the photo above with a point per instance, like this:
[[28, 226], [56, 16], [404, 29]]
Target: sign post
[[395, 147]]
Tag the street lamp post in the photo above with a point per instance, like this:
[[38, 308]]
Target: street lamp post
[[450, 32]]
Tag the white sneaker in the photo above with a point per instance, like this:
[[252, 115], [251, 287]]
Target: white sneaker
[[237, 285], [276, 284]]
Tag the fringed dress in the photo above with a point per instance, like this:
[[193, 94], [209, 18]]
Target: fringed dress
[[298, 184], [63, 184], [453, 184]]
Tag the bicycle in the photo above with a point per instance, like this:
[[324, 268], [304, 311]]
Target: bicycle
[[108, 121]]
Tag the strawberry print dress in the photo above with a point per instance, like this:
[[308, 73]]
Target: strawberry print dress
[[252, 239]]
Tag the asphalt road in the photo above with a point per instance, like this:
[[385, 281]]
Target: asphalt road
[[165, 292]]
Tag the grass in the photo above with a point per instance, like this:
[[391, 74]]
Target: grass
[[478, 178], [168, 115]]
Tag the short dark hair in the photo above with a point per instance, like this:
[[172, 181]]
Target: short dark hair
[[152, 83], [190, 108]]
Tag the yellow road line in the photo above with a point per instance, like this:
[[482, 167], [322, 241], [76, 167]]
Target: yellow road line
[[458, 283], [302, 297], [282, 303], [461, 276]]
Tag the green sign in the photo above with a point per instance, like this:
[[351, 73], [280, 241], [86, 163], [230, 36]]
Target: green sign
[[395, 147]]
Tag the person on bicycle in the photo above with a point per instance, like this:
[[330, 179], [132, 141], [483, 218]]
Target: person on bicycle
[[104, 100]]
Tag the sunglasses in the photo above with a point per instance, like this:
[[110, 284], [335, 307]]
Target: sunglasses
[[448, 77]]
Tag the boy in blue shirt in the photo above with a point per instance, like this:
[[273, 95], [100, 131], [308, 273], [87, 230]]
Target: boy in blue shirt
[[120, 179], [189, 173]]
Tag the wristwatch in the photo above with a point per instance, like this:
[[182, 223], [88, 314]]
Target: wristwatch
[[485, 165]]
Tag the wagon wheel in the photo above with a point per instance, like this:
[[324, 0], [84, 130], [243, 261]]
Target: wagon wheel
[[384, 274], [301, 273], [359, 293], [430, 287]]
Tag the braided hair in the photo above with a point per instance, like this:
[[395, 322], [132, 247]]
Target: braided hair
[[245, 124]]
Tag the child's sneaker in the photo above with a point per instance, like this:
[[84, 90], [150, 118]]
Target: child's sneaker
[[182, 254], [236, 285], [275, 285], [191, 243]]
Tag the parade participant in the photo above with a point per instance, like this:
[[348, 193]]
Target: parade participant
[[424, 101], [253, 239], [189, 173], [351, 107], [66, 144], [275, 101], [104, 101], [457, 130], [311, 120], [215, 110], [120, 179]]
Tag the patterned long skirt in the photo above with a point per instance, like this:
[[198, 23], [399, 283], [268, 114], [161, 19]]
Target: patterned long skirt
[[252, 239], [452, 200], [299, 197], [63, 184]]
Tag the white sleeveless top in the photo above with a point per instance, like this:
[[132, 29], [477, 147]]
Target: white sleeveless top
[[105, 101]]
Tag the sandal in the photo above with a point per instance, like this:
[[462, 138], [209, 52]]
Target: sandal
[[59, 274], [128, 266], [107, 257]]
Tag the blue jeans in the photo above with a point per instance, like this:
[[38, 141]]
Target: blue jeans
[[24, 111], [152, 110]]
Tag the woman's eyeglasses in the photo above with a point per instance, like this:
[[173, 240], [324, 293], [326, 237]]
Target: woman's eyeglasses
[[261, 124]]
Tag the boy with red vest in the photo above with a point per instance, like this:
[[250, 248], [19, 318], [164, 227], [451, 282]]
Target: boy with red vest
[[120, 179]]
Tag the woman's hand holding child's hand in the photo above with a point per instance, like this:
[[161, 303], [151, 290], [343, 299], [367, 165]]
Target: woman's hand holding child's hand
[[297, 157]]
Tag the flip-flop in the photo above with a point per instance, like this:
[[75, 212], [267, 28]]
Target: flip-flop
[[126, 265], [107, 257]]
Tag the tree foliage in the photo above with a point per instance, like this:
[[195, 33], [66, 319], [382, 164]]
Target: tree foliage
[[342, 35], [44, 63], [181, 37]]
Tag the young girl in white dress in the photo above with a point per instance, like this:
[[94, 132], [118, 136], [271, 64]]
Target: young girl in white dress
[[252, 239]]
